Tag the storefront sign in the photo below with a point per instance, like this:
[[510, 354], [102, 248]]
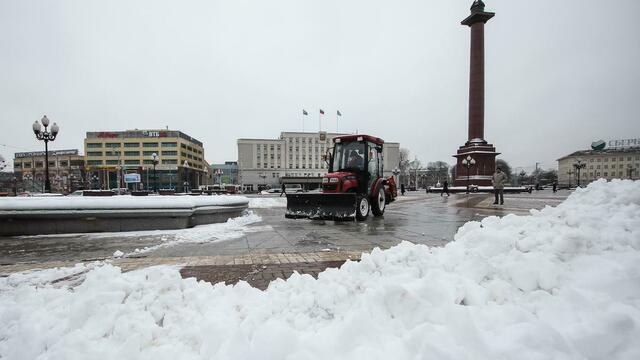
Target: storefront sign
[[41, 153], [131, 178]]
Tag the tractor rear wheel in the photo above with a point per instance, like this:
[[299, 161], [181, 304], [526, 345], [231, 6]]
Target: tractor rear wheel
[[362, 208], [378, 202]]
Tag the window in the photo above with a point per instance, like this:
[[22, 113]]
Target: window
[[52, 163], [112, 162], [606, 159], [112, 145], [149, 145], [189, 148], [94, 162], [27, 165], [148, 153], [94, 153], [39, 164], [170, 161], [169, 144], [132, 144], [16, 164], [613, 158], [94, 145], [169, 153], [132, 162], [183, 146], [606, 166], [147, 161], [131, 153], [64, 163], [606, 174], [183, 154]]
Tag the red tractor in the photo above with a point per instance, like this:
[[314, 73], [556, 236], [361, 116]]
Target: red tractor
[[353, 186]]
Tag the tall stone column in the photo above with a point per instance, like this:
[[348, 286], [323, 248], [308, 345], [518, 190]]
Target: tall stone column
[[476, 146]]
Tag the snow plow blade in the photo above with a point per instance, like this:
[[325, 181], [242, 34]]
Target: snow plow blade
[[338, 206]]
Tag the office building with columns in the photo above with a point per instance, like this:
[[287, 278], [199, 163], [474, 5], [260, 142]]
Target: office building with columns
[[293, 158], [620, 159]]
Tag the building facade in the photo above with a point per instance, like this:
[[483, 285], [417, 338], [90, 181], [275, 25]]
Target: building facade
[[293, 158], [111, 154], [226, 173], [609, 163], [66, 170]]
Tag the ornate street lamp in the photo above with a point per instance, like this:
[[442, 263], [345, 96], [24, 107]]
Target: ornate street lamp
[[468, 162], [155, 160], [185, 164], [579, 165], [46, 136]]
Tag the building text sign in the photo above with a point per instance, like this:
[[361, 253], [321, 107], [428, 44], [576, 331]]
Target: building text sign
[[626, 143], [131, 178]]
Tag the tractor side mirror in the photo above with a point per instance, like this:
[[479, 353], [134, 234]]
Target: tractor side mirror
[[327, 158]]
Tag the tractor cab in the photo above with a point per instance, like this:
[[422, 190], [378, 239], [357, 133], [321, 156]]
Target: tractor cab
[[355, 163], [353, 186]]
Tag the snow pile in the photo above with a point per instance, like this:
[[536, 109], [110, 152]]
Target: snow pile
[[561, 283], [267, 202]]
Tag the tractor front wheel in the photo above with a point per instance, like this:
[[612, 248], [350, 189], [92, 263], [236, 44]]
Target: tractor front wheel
[[378, 202], [362, 208]]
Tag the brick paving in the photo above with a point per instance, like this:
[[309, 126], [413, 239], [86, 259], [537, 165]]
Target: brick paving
[[257, 275]]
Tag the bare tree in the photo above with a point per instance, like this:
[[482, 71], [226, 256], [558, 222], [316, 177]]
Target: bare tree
[[504, 165], [403, 164]]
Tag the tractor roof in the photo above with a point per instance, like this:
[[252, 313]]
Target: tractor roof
[[350, 138]]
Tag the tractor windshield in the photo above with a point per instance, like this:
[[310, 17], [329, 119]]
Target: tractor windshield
[[348, 156]]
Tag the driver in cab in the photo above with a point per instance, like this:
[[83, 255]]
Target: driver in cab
[[356, 161]]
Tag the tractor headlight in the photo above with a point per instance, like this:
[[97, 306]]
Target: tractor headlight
[[325, 180], [333, 180]]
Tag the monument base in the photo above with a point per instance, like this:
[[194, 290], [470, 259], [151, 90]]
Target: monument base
[[481, 172]]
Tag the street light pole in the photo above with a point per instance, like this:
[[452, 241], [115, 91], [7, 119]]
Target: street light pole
[[154, 160], [468, 162], [186, 176], [579, 165], [46, 136]]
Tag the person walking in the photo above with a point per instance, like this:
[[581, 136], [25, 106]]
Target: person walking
[[402, 189], [283, 190], [555, 187], [445, 188], [498, 180]]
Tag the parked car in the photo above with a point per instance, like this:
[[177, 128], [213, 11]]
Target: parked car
[[270, 191]]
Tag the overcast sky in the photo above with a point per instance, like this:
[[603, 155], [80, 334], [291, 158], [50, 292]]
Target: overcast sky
[[559, 74]]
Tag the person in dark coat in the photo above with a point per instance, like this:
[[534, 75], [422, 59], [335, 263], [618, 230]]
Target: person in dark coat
[[283, 190], [445, 188], [402, 189], [555, 187]]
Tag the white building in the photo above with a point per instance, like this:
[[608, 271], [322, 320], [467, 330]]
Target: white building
[[616, 161], [294, 158]]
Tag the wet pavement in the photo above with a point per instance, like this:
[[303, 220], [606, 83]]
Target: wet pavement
[[418, 217]]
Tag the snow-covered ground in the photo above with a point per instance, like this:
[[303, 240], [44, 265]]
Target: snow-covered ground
[[560, 283]]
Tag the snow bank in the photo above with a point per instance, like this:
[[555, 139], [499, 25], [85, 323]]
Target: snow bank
[[560, 283], [117, 202]]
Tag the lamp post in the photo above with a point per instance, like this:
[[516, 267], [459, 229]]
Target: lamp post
[[46, 136], [155, 160], [185, 184], [579, 165], [395, 173], [468, 162]]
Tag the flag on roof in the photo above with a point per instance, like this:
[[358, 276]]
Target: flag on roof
[[321, 111], [339, 114], [304, 112]]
